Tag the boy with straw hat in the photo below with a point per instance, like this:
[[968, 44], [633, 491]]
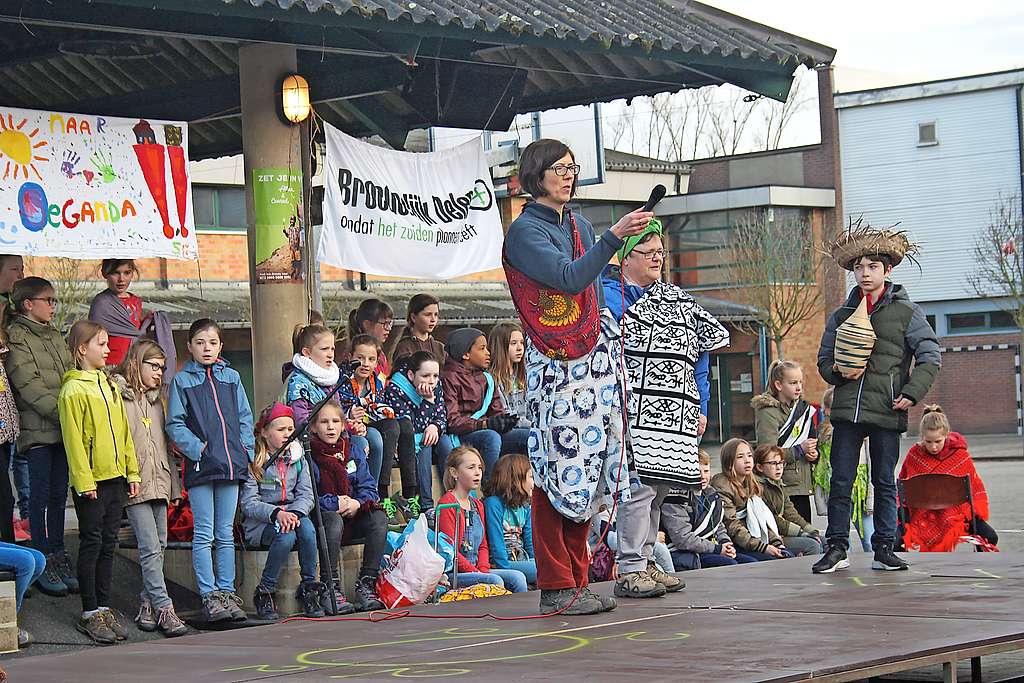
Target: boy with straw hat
[[874, 385]]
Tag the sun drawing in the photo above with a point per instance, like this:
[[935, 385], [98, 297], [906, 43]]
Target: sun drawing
[[19, 148]]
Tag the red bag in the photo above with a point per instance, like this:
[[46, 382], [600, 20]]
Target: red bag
[[179, 520], [562, 326]]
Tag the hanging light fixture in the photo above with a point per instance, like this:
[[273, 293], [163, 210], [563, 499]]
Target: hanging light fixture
[[295, 98]]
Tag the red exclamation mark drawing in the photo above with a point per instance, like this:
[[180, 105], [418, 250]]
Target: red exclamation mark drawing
[[179, 174], [151, 161]]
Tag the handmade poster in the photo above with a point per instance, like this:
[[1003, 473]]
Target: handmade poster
[[422, 215], [94, 186], [277, 200]]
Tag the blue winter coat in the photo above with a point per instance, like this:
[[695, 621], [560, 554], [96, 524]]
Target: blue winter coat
[[209, 420]]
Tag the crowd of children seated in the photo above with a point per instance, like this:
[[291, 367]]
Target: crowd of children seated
[[130, 443]]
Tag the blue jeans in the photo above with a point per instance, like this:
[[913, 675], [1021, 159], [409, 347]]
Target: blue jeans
[[26, 563], [487, 441], [424, 463], [280, 544], [514, 441], [884, 450], [751, 556], [510, 579], [865, 533], [48, 477], [528, 568], [19, 464], [213, 508]]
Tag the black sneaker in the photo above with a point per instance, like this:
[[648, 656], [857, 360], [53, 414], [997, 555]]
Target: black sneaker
[[566, 602], [67, 571], [264, 602], [366, 595], [833, 559], [341, 605], [310, 594], [50, 581], [886, 560]]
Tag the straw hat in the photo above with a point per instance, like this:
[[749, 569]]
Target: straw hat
[[860, 240]]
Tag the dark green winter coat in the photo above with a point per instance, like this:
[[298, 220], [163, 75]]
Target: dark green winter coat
[[904, 338], [36, 364], [769, 416]]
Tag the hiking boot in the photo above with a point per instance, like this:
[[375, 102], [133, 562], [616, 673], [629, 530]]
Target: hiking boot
[[116, 621], [264, 602], [25, 639], [886, 560], [50, 581], [671, 583], [67, 573], [833, 559], [409, 507], [169, 623], [638, 585], [366, 595], [215, 608], [310, 594], [233, 603], [393, 512], [341, 605], [565, 602], [145, 619], [607, 603], [431, 514], [96, 627]]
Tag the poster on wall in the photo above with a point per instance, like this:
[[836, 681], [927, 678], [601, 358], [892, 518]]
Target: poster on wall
[[420, 215], [277, 200], [88, 187]]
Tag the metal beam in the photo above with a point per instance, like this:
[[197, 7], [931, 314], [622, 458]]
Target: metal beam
[[379, 120]]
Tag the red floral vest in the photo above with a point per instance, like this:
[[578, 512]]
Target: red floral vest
[[562, 326]]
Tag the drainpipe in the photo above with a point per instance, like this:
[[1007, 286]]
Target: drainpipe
[[762, 346]]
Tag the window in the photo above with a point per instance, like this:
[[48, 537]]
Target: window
[[219, 207], [960, 323], [926, 135]]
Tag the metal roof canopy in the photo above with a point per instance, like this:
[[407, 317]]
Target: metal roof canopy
[[380, 66]]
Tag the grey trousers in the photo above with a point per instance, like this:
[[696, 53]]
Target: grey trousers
[[149, 520], [636, 525], [801, 545]]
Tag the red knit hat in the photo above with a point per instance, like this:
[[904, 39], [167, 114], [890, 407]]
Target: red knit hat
[[271, 413]]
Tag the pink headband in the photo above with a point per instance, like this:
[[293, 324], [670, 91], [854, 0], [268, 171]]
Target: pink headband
[[273, 412]]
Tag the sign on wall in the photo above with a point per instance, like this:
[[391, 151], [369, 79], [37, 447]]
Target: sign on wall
[[424, 215], [277, 200], [94, 186]]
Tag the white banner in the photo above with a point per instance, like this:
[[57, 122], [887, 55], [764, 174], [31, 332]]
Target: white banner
[[94, 186], [418, 215]]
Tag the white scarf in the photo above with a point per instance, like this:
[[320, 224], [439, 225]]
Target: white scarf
[[760, 520], [325, 377]]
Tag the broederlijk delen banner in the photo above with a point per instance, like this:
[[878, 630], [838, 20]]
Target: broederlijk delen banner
[[422, 215], [88, 187]]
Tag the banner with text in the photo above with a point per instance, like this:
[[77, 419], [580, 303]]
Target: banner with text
[[405, 214], [94, 186]]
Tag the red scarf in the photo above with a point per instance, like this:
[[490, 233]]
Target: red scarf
[[332, 459], [563, 326], [940, 530]]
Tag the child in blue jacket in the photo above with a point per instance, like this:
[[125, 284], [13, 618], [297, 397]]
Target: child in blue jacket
[[209, 420], [507, 514]]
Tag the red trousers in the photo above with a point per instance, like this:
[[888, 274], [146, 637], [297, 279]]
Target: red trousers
[[560, 544]]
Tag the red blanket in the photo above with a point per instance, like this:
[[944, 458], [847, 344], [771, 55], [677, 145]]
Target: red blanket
[[940, 530]]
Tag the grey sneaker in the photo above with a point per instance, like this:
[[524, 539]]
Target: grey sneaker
[[638, 585], [117, 622], [145, 619], [367, 599], [562, 601], [607, 603], [671, 583], [169, 622], [96, 628], [215, 607], [234, 605], [25, 639]]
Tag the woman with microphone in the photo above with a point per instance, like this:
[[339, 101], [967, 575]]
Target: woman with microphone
[[574, 379]]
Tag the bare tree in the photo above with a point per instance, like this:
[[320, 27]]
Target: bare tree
[[774, 269], [999, 260], [776, 117]]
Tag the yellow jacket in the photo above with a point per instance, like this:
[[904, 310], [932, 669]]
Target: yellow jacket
[[94, 425]]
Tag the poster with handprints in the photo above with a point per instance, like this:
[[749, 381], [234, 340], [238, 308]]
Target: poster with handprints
[[87, 186]]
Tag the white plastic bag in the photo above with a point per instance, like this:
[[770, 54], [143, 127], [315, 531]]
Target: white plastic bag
[[410, 576]]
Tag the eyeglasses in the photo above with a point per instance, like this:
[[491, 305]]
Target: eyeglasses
[[48, 299], [773, 463], [157, 367], [650, 255], [386, 324], [561, 169]]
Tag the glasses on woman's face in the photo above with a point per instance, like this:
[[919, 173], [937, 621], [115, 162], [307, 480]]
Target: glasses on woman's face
[[773, 463], [154, 366], [652, 255], [562, 169], [48, 299], [386, 324]]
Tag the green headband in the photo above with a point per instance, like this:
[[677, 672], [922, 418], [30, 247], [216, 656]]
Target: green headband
[[653, 228]]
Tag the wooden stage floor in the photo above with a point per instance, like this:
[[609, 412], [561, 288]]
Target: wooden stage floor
[[773, 621]]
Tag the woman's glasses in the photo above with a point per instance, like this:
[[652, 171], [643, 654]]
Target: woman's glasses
[[651, 255], [562, 169], [386, 324]]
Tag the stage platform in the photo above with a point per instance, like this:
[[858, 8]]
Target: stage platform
[[769, 622]]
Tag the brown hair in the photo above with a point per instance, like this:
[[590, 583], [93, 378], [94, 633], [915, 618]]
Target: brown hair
[[703, 458], [934, 420], [308, 335], [507, 375], [315, 318], [141, 350], [370, 310], [261, 451], [455, 459], [109, 265], [202, 325], [762, 452], [777, 373], [508, 481], [745, 487], [82, 332], [364, 340], [535, 161]]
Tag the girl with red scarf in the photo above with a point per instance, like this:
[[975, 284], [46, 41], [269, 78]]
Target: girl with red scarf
[[942, 451]]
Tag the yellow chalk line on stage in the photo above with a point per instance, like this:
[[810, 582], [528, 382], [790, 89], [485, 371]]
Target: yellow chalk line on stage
[[546, 634]]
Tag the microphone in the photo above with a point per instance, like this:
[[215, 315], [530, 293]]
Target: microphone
[[657, 194]]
